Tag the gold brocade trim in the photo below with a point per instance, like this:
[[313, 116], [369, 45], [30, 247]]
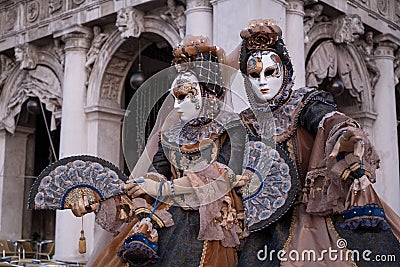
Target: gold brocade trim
[[332, 227], [203, 254], [292, 223], [366, 217]]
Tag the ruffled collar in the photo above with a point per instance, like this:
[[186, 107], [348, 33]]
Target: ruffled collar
[[285, 118], [191, 133]]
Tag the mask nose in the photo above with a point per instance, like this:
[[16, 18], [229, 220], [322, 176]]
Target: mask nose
[[176, 104], [263, 80]]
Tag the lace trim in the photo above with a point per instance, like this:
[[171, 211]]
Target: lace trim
[[107, 216], [185, 134], [285, 117]]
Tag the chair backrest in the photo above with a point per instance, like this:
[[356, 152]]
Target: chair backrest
[[28, 247], [4, 246], [50, 248]]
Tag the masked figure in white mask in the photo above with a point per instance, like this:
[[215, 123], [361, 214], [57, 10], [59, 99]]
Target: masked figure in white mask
[[185, 211], [310, 167]]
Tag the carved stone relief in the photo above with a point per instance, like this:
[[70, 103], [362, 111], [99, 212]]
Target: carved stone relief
[[130, 22], [312, 16], [382, 6], [397, 11], [78, 2], [176, 16], [366, 48], [11, 18], [59, 51], [40, 82], [99, 38], [109, 86], [337, 58], [6, 66], [117, 65], [32, 11], [55, 5], [396, 64], [26, 55], [347, 28]]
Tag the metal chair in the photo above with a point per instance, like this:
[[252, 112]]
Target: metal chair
[[49, 251]]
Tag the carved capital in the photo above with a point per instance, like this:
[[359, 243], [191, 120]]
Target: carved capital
[[387, 44], [197, 3], [385, 49], [76, 41], [295, 7]]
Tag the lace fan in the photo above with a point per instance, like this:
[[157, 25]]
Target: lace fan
[[66, 180], [273, 186]]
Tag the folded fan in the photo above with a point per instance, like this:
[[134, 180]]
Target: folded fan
[[66, 180]]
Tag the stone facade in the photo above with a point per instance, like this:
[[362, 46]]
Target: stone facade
[[76, 57]]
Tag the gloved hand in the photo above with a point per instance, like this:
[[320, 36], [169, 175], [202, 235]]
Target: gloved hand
[[139, 186], [241, 180], [82, 207], [349, 142]]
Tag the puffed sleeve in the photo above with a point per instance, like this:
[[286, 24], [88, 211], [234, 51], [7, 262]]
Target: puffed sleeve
[[340, 184]]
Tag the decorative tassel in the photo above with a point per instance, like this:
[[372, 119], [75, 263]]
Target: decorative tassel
[[82, 241], [305, 196], [122, 214]]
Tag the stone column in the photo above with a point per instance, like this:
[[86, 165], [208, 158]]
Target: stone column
[[73, 140], [105, 123], [227, 31], [199, 18], [12, 175], [385, 128], [295, 40]]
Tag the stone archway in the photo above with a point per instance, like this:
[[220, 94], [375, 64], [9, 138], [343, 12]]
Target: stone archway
[[43, 81], [327, 58], [104, 108]]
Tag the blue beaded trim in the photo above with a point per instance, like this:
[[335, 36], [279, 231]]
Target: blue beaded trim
[[372, 210]]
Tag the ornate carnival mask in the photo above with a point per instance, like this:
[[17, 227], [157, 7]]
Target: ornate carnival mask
[[266, 73], [187, 96]]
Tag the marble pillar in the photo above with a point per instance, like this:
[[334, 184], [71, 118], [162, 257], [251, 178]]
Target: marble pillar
[[105, 123], [231, 16], [199, 18], [385, 127], [73, 141], [295, 40], [12, 174]]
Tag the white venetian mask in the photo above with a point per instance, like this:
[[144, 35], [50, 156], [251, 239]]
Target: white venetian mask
[[265, 71], [187, 96]]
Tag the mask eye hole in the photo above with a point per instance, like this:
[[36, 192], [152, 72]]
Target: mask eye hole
[[254, 75], [181, 97], [269, 72]]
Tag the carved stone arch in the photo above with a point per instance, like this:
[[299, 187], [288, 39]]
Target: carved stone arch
[[322, 35], [106, 81], [43, 82]]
